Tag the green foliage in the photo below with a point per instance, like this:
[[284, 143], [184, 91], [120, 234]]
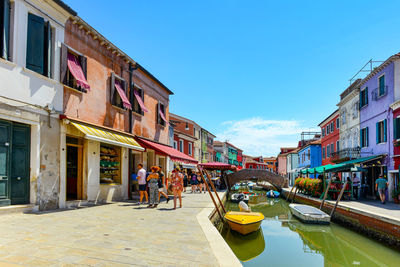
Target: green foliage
[[309, 186]]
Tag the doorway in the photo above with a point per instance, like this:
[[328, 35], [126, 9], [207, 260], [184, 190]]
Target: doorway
[[14, 163], [74, 169]]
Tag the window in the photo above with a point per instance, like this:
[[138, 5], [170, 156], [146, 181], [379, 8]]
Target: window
[[161, 114], [187, 126], [381, 136], [308, 155], [364, 97], [118, 92], [364, 137], [138, 93], [79, 63], [327, 129], [5, 29], [328, 151], [175, 144], [39, 45], [323, 132], [190, 149], [323, 152], [344, 118], [181, 146], [337, 146], [251, 166], [396, 128], [337, 123], [332, 149], [382, 88], [332, 126]]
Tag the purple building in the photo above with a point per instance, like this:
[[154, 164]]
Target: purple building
[[377, 92]]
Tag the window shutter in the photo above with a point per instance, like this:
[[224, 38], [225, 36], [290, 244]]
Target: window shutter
[[394, 128], [158, 113], [5, 29], [47, 52], [366, 96], [63, 63], [361, 100], [35, 44], [385, 130], [377, 132], [367, 136], [141, 93], [112, 88], [83, 61], [361, 138]]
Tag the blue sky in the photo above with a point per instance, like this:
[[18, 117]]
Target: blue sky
[[254, 72]]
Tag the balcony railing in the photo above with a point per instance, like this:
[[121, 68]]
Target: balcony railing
[[346, 154]]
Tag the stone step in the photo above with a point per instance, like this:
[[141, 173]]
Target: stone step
[[18, 209]]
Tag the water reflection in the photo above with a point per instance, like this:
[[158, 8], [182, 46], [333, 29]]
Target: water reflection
[[292, 243]]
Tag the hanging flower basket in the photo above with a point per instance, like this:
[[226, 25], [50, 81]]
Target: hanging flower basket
[[396, 143]]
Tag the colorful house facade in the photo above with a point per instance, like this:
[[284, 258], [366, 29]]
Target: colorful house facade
[[282, 160], [330, 138], [378, 91], [184, 134], [207, 146], [272, 163], [310, 156], [254, 163]]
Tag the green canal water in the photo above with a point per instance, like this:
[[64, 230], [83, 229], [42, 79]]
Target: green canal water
[[285, 241]]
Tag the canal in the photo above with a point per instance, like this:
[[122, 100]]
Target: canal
[[285, 241]]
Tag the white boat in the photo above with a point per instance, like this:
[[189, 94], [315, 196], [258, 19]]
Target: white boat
[[309, 214], [238, 197]]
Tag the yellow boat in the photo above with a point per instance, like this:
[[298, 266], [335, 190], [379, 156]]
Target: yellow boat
[[244, 222]]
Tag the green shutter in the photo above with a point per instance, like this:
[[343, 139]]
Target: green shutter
[[5, 29], [385, 130], [35, 44], [361, 138], [366, 96], [47, 49], [367, 136], [377, 133], [394, 128], [382, 85]]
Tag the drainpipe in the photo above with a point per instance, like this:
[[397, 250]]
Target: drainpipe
[[131, 96]]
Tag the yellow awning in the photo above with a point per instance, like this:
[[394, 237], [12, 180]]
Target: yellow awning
[[108, 137]]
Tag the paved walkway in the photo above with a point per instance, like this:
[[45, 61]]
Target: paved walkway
[[119, 234]]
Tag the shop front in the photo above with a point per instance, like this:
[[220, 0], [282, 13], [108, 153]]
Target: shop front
[[97, 163]]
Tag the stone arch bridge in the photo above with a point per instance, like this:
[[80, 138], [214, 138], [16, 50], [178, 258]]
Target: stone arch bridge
[[257, 175]]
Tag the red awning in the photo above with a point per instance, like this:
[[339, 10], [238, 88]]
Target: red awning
[[140, 101], [76, 70], [162, 115], [122, 94], [218, 166], [174, 154]]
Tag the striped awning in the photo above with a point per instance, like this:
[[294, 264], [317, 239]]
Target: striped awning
[[108, 137]]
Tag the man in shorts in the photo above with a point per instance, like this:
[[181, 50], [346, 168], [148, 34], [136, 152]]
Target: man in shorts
[[162, 188], [380, 186], [141, 177]]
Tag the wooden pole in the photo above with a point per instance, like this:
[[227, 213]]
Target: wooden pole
[[340, 196], [209, 191], [216, 193], [325, 194], [287, 197], [294, 196]]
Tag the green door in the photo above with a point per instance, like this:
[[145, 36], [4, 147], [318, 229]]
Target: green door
[[5, 136], [20, 156]]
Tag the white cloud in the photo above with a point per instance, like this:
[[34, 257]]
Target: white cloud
[[257, 136]]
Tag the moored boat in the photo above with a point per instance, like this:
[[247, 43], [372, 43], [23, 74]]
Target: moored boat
[[309, 214], [235, 198], [273, 194], [244, 222]]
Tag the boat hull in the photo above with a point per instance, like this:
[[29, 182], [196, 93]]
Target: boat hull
[[244, 222], [310, 215], [244, 229]]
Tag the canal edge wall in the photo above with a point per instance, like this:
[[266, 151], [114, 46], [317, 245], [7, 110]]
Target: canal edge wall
[[207, 218], [382, 229]]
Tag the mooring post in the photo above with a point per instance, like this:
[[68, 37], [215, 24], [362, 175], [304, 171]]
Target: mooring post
[[287, 197], [209, 191], [325, 194], [215, 190], [294, 196], [340, 196]]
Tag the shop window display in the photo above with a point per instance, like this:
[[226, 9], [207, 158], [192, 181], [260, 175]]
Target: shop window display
[[110, 164]]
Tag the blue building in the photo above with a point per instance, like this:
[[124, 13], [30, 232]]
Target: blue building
[[310, 156]]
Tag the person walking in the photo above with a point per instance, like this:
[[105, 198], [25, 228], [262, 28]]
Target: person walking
[[177, 186], [152, 179], [356, 185], [193, 182], [185, 180], [380, 186], [202, 186], [162, 188], [141, 177]]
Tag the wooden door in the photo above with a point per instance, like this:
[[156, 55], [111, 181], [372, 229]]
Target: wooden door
[[74, 169], [20, 157], [5, 140]]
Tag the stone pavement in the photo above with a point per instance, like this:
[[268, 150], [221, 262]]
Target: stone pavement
[[118, 234]]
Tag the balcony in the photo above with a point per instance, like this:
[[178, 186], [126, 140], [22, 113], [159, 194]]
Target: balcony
[[346, 154]]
